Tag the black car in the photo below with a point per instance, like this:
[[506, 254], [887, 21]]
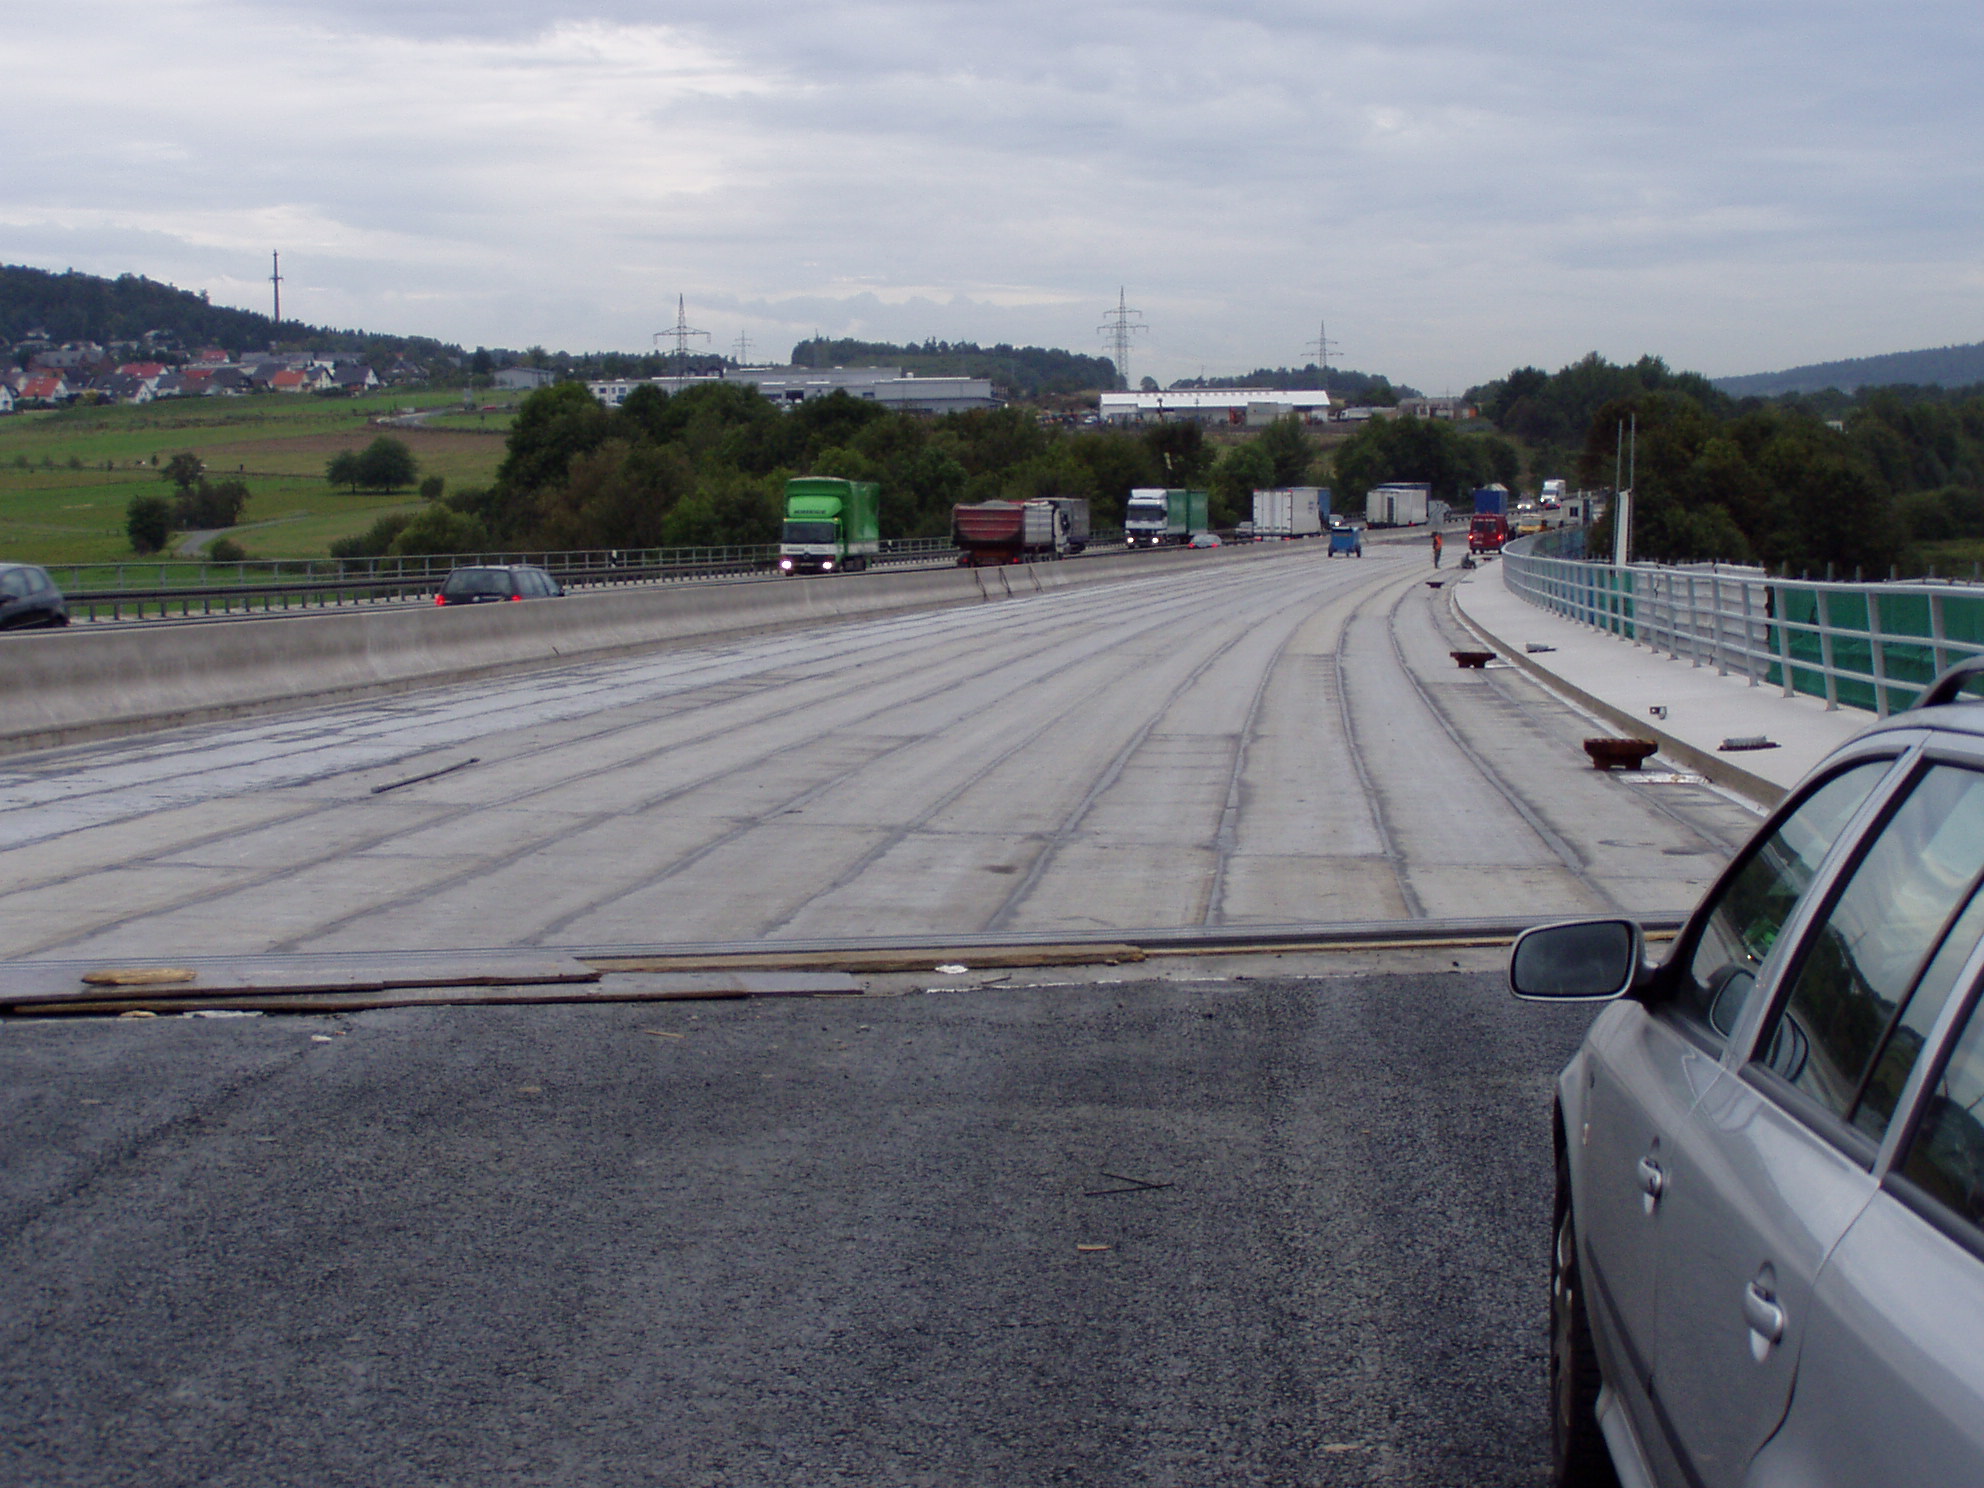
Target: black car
[[497, 582], [28, 597]]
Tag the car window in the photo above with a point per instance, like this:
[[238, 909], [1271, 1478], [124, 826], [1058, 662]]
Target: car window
[[1742, 926], [477, 581], [1858, 1003], [1918, 1015], [1945, 1157], [16, 583]]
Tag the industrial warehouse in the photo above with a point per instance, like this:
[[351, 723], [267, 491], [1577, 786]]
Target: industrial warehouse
[[889, 386]]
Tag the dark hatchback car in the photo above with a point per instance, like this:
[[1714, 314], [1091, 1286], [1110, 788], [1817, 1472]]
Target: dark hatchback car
[[29, 598], [497, 582], [1768, 1258]]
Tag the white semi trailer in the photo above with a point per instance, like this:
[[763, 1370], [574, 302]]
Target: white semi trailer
[[1291, 511], [1397, 505]]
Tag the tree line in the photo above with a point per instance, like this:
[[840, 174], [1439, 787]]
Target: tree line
[[87, 307], [1776, 482], [708, 465], [1806, 483]]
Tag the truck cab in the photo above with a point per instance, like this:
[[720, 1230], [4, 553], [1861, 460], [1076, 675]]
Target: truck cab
[[1487, 532], [830, 525]]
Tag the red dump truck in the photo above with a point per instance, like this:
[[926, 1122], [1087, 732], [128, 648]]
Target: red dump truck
[[993, 532]]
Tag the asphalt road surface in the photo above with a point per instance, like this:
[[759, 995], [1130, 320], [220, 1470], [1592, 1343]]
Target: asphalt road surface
[[1227, 1232], [1242, 739]]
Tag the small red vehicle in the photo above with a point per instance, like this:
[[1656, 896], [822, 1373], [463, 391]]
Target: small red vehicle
[[1487, 532]]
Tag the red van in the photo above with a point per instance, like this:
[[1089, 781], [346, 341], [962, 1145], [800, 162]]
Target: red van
[[1487, 532]]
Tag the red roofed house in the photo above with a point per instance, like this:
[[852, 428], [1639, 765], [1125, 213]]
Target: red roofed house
[[44, 387], [298, 380]]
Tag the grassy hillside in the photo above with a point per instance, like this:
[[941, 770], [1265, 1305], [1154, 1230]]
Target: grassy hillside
[[66, 477]]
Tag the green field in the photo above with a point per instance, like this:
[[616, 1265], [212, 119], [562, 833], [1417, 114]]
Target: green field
[[67, 476]]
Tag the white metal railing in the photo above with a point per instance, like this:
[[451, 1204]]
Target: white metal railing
[[1872, 646]]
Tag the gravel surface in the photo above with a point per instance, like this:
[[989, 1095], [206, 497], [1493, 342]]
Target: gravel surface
[[887, 1240]]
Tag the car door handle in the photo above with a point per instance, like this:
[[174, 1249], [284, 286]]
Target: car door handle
[[1761, 1312], [1651, 1178]]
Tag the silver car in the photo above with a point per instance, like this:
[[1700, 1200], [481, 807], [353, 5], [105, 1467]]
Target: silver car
[[1768, 1257]]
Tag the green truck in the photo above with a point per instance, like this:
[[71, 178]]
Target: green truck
[[831, 525], [1155, 517]]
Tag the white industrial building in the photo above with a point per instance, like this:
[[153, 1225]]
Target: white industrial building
[[1248, 406], [888, 386]]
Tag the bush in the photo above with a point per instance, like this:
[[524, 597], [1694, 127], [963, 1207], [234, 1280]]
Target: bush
[[433, 487], [227, 550], [374, 542], [210, 504], [148, 523], [440, 530]]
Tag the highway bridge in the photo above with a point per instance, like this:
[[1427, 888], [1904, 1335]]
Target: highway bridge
[[1173, 1188], [1248, 737]]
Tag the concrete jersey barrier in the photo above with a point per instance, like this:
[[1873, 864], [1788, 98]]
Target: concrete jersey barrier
[[62, 687]]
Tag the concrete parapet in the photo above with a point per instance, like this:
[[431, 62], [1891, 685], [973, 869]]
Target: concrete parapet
[[70, 686]]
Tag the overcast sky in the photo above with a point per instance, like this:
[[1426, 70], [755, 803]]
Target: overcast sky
[[1456, 188]]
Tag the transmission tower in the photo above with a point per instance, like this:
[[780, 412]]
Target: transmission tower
[[743, 348], [680, 333], [1119, 325], [1321, 348], [275, 281]]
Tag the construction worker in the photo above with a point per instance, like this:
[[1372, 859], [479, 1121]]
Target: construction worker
[[1436, 547]]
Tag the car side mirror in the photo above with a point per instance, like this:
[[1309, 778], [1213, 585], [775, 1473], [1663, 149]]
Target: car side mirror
[[1585, 960]]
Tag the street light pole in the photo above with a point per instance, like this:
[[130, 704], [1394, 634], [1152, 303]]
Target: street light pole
[[1622, 499]]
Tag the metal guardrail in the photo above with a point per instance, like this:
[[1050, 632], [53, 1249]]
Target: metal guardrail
[[185, 590], [165, 589], [1872, 646]]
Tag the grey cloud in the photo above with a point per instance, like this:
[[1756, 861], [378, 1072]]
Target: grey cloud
[[1458, 188]]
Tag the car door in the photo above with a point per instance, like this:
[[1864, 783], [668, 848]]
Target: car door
[[1647, 1070], [1777, 1160], [1891, 1377]]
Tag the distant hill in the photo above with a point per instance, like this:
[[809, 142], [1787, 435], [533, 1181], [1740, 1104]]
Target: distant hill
[[1945, 366], [1024, 371], [84, 307]]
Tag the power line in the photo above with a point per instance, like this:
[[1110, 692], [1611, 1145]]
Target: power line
[[1119, 326], [680, 332]]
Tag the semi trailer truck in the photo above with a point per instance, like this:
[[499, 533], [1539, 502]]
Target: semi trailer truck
[[995, 532], [831, 525], [1290, 511], [1156, 517]]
